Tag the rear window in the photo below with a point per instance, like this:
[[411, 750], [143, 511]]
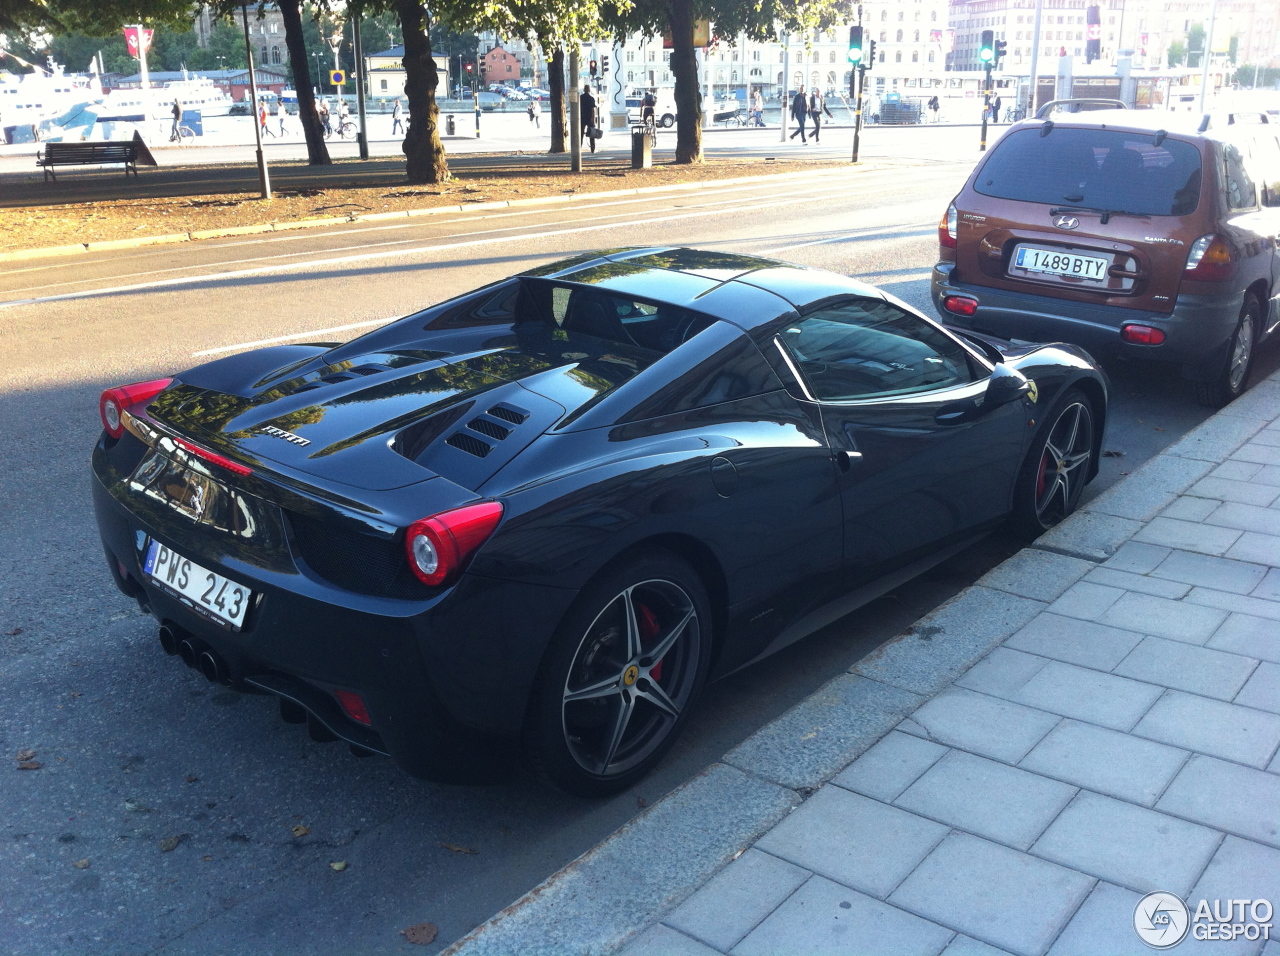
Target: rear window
[[1097, 168]]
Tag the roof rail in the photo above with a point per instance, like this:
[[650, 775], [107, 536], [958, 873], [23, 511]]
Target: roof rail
[[1207, 121], [1079, 103]]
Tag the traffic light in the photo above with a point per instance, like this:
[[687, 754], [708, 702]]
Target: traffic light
[[594, 67], [1000, 48], [604, 64], [468, 66], [986, 50], [871, 54], [855, 45]]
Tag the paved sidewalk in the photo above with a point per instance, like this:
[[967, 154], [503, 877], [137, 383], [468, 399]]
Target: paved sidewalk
[[1096, 719]]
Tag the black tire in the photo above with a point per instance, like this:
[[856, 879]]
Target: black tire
[[1233, 378], [668, 121], [1056, 469], [604, 710]]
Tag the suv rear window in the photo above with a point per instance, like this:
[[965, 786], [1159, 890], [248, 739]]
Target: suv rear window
[[1097, 168]]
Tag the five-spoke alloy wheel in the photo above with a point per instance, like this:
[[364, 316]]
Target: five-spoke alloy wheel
[[620, 676]]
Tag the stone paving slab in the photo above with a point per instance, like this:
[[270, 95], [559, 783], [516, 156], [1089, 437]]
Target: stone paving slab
[[1097, 718]]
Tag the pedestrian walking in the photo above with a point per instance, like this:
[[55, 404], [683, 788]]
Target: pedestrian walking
[[397, 121], [757, 109], [535, 114], [587, 112], [322, 111], [817, 106], [282, 115], [995, 108], [934, 106], [174, 135], [262, 120], [799, 110]]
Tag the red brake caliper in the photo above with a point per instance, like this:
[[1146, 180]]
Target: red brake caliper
[[648, 631]]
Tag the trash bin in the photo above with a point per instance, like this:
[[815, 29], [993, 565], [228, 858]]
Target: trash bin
[[449, 125], [641, 148]]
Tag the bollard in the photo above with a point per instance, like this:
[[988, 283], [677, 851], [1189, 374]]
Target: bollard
[[449, 126], [641, 148]]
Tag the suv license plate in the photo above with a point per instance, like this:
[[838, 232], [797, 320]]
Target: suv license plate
[[1068, 265], [206, 592]]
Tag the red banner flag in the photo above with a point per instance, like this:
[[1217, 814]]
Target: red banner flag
[[135, 36]]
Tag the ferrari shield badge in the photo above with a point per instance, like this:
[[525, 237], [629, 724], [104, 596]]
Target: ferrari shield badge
[[1033, 391]]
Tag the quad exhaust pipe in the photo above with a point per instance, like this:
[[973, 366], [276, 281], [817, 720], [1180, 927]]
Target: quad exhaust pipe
[[194, 653]]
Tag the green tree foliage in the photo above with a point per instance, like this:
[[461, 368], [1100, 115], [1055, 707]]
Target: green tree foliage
[[758, 20], [1195, 44], [1266, 76], [1176, 55]]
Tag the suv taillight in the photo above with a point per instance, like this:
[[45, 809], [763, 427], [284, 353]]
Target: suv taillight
[[1211, 259], [947, 228], [116, 400], [438, 546]]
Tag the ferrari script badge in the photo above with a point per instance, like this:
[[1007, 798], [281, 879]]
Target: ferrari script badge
[[290, 437], [630, 674]]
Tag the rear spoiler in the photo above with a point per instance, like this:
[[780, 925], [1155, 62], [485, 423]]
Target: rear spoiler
[[1080, 104]]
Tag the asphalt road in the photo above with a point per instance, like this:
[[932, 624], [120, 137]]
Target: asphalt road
[[137, 750]]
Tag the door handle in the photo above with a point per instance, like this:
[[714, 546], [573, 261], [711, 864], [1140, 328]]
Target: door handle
[[845, 459]]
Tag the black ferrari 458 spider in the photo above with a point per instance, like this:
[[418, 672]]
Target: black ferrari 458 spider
[[540, 516]]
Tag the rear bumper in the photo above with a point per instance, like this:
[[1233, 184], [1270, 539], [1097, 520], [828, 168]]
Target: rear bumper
[[1197, 331], [445, 681]]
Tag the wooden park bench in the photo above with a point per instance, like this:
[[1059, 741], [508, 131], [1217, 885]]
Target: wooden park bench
[[88, 154]]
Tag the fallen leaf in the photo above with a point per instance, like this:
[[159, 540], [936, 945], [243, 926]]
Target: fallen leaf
[[76, 693], [29, 765], [81, 864], [171, 843], [454, 848], [301, 831], [424, 934], [1157, 428], [1112, 453], [25, 754], [136, 807], [338, 867], [15, 632], [192, 779], [206, 858]]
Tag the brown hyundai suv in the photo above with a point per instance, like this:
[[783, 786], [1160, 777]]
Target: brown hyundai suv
[[1133, 233]]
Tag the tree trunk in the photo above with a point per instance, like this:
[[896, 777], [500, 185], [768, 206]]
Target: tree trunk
[[684, 64], [423, 150], [317, 151], [555, 85]]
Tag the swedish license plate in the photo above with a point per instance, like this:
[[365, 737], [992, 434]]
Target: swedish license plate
[[1056, 262], [206, 592]]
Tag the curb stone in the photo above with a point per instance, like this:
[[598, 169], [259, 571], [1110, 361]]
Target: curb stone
[[623, 870], [199, 234]]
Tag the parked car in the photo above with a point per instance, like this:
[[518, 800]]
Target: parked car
[[540, 516], [1143, 234]]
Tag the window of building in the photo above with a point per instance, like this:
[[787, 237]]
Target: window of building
[[631, 56], [275, 53], [382, 84], [899, 36], [930, 56], [917, 37], [884, 35], [915, 56], [755, 55], [831, 56]]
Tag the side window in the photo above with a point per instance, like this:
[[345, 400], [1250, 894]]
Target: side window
[[864, 349], [1240, 191], [1266, 156]]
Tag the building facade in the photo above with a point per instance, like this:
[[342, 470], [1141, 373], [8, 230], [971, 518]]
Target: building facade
[[385, 75]]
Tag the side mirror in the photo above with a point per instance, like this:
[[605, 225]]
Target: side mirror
[[1005, 385]]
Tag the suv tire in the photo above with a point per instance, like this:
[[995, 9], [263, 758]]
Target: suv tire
[[1233, 378]]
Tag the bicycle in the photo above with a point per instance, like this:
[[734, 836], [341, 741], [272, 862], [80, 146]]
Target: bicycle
[[183, 136], [1014, 113]]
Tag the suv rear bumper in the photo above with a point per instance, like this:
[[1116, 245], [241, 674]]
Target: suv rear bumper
[[1197, 331]]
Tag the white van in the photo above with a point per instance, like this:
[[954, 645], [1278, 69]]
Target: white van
[[664, 114]]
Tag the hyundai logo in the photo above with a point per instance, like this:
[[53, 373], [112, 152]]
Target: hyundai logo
[[1066, 222]]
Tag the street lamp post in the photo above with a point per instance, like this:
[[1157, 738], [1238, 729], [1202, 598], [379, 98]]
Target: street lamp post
[[335, 44], [264, 178]]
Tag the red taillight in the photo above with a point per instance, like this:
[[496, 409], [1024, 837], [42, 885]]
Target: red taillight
[[211, 456], [1142, 335], [438, 546], [960, 305], [1211, 259], [947, 228], [353, 706], [116, 400]]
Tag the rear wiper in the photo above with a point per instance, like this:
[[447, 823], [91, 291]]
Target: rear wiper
[[1106, 213]]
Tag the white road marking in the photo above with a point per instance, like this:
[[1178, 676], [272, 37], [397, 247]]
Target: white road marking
[[297, 335], [368, 257], [898, 232], [293, 255]]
